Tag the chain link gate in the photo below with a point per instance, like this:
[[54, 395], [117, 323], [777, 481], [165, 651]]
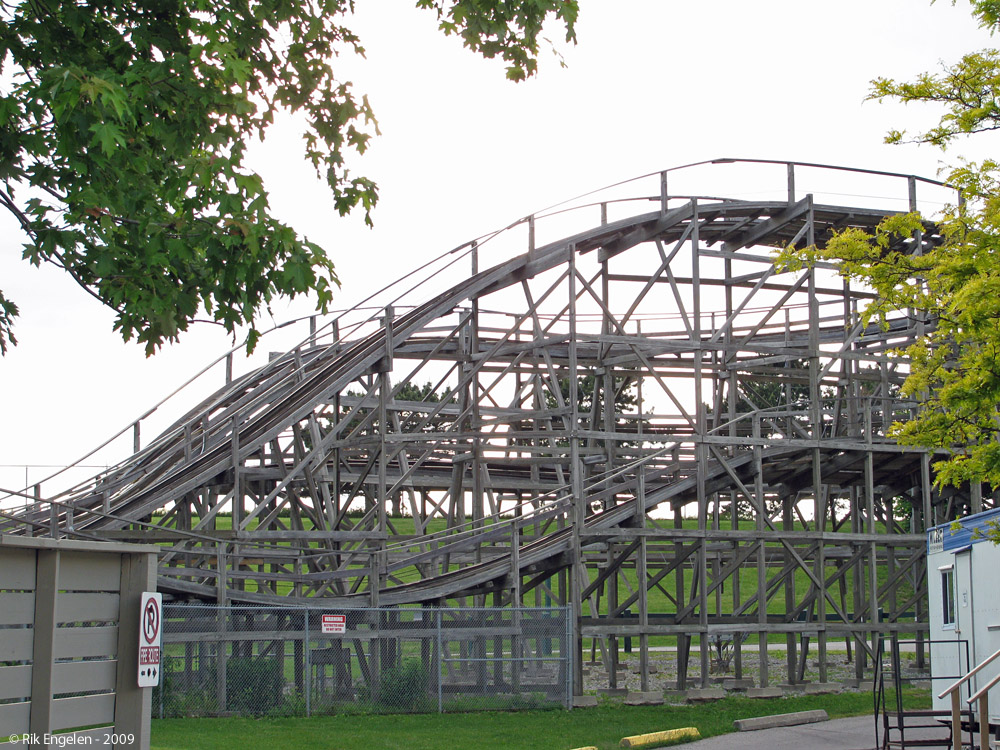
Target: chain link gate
[[283, 661]]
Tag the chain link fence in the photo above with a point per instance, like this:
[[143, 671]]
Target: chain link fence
[[276, 661]]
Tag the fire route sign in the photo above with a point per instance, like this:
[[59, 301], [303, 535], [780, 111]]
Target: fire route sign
[[150, 639]]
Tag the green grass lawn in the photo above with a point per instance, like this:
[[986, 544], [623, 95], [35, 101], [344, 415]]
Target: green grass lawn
[[603, 726]]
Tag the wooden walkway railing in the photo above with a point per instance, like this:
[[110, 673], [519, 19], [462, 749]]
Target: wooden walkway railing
[[956, 702]]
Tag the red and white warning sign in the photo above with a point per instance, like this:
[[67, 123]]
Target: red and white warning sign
[[334, 623], [150, 639]]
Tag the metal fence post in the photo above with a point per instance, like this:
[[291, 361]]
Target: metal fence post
[[308, 680], [440, 664], [569, 652], [221, 659]]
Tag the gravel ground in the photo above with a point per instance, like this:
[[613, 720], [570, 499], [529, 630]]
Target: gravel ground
[[663, 670]]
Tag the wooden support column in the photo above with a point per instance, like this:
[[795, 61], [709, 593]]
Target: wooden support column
[[478, 469], [700, 448], [516, 642], [816, 416], [53, 514], [759, 518], [237, 503], [612, 605], [604, 383], [873, 614], [640, 564], [578, 575], [683, 639], [377, 574], [791, 649], [221, 653]]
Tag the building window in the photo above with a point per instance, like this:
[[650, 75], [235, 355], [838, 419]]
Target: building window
[[948, 596]]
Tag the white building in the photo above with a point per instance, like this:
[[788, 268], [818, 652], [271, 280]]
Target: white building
[[963, 581]]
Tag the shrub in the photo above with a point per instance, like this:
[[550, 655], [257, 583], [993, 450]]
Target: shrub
[[400, 687], [253, 685]]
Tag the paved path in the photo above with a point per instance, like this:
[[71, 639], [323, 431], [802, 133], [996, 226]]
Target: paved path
[[855, 733]]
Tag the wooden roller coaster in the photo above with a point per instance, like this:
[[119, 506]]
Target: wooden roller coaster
[[643, 419]]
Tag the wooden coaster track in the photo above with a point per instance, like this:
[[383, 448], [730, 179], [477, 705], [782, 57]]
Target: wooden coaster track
[[646, 400]]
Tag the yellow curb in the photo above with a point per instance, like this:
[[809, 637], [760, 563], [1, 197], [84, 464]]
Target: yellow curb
[[655, 739]]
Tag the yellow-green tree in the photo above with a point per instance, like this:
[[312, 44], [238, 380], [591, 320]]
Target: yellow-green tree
[[955, 370]]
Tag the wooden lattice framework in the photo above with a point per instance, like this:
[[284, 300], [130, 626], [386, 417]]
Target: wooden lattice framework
[[648, 399]]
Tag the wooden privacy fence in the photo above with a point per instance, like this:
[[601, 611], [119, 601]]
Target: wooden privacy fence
[[69, 639]]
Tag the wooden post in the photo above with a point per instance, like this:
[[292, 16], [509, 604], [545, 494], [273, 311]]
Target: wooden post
[[579, 509], [984, 721], [956, 719], [133, 705], [44, 632]]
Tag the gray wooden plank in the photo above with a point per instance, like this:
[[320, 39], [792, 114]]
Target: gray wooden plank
[[18, 608], [16, 644], [14, 717], [17, 569], [78, 676], [80, 642], [15, 682], [33, 543], [90, 571], [88, 607], [83, 711]]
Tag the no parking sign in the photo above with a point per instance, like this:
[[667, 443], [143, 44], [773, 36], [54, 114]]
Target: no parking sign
[[150, 636]]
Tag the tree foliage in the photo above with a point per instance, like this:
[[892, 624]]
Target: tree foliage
[[623, 398], [124, 128], [955, 368], [967, 90]]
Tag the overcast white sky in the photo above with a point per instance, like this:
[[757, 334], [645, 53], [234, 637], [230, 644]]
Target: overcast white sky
[[651, 84]]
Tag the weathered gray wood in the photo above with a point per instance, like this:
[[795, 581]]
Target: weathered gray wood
[[15, 682], [16, 644], [229, 535], [82, 711], [89, 571], [132, 709], [13, 541], [44, 649], [317, 453], [82, 676], [18, 608], [86, 642], [86, 607], [14, 717], [17, 567]]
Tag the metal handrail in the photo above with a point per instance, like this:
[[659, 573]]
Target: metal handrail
[[956, 698]]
